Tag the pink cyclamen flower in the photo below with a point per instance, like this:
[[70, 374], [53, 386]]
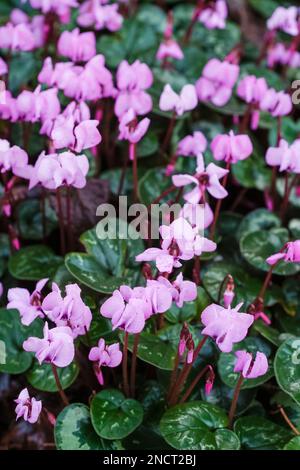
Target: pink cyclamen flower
[[105, 356], [130, 129], [231, 148], [28, 408], [291, 252], [252, 90], [55, 170], [125, 311], [13, 159], [68, 311], [60, 7], [200, 216], [38, 105], [56, 347], [95, 13], [17, 37], [169, 48], [217, 81], [28, 305], [180, 103], [3, 67], [192, 145], [285, 157], [205, 180], [181, 290], [79, 47], [249, 367], [66, 134], [132, 81], [276, 103], [284, 19], [180, 241], [226, 325], [214, 16]]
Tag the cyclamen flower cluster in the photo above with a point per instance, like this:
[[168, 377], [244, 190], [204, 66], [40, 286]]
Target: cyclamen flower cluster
[[97, 14], [217, 82], [280, 54], [130, 308], [256, 93]]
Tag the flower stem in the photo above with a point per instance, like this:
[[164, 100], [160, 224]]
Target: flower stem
[[235, 400], [61, 222], [196, 271], [287, 193], [124, 365], [288, 421], [59, 386], [169, 133], [69, 218], [174, 374], [193, 384], [218, 205], [133, 158], [133, 364], [184, 374], [264, 287], [194, 20]]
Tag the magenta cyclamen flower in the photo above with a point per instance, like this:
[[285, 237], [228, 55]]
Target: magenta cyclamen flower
[[55, 170], [192, 145], [132, 81], [217, 81], [79, 47], [28, 305], [252, 90], [186, 100], [284, 19], [226, 325], [291, 252], [180, 242], [231, 148], [214, 16], [125, 311], [181, 291], [249, 367], [95, 13], [69, 310], [276, 103], [130, 129], [28, 408], [107, 356], [17, 37], [285, 157], [205, 180], [13, 159], [66, 134], [56, 347]]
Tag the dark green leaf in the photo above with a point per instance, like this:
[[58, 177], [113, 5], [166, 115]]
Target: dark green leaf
[[42, 378], [258, 433], [33, 263], [287, 367]]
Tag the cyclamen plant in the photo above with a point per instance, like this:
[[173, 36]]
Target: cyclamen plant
[[175, 330]]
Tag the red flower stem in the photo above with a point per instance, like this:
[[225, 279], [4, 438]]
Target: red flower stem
[[196, 271], [61, 222], [133, 364], [193, 384], [169, 132], [123, 174], [124, 365], [184, 374], [43, 212], [287, 193], [218, 205], [174, 374], [234, 401], [246, 118], [266, 283], [133, 157], [194, 20], [165, 193], [59, 386], [69, 218], [288, 421]]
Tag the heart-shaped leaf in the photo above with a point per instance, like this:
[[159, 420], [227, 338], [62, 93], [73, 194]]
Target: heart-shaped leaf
[[14, 360], [109, 261], [197, 426], [287, 367], [74, 430], [33, 263], [256, 247], [114, 416], [260, 219], [41, 376], [258, 433], [30, 219], [226, 363]]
